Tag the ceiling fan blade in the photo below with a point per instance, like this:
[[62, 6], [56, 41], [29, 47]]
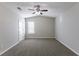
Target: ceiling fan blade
[[33, 12], [19, 8], [31, 9], [44, 10]]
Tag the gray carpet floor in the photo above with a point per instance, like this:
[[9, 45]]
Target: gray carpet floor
[[39, 47]]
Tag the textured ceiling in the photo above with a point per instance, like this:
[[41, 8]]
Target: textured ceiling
[[54, 8]]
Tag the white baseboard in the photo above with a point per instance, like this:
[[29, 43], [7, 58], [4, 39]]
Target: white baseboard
[[9, 48], [69, 47], [40, 37]]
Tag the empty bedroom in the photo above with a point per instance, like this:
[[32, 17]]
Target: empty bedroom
[[39, 28]]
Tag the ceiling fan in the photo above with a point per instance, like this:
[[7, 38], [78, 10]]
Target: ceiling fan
[[37, 9]]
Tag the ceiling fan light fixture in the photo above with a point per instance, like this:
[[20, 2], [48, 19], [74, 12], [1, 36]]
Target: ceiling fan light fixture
[[41, 13]]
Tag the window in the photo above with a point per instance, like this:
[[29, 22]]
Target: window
[[31, 27]]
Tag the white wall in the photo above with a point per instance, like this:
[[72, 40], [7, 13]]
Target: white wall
[[44, 27], [21, 28], [8, 28], [67, 28]]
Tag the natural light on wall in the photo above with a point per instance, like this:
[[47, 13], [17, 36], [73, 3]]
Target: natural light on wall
[[31, 27]]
